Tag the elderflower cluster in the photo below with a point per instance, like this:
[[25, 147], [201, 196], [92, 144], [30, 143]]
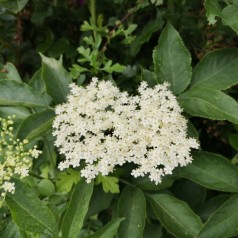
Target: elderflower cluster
[[104, 127], [15, 159]]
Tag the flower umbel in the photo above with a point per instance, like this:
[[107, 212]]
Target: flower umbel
[[106, 127], [15, 159]]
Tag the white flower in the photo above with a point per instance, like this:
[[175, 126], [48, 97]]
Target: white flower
[[105, 128], [8, 187], [15, 160], [35, 153]]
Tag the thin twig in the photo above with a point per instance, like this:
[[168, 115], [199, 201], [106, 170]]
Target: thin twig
[[113, 30]]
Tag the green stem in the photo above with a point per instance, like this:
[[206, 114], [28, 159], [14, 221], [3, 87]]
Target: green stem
[[93, 14]]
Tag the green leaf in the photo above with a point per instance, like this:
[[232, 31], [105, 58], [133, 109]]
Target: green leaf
[[42, 10], [46, 34], [223, 223], [109, 183], [99, 195], [157, 2], [213, 10], [146, 33], [217, 70], [10, 230], [19, 112], [14, 93], [14, 6], [196, 196], [11, 72], [209, 103], [176, 216], [132, 206], [109, 230], [172, 61], [212, 171], [36, 125], [29, 212], [76, 70], [230, 16], [78, 207], [58, 47], [153, 231], [49, 151], [146, 184], [66, 180], [149, 77], [114, 68], [211, 205], [37, 82], [233, 140], [46, 187], [192, 132], [56, 79]]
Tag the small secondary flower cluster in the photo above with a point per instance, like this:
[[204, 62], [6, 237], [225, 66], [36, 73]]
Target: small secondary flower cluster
[[15, 160], [106, 127]]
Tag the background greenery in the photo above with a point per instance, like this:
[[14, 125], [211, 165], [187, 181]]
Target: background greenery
[[45, 45]]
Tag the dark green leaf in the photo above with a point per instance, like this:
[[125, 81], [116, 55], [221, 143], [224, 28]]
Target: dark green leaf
[[78, 207], [41, 11], [19, 112], [10, 230], [109, 230], [217, 70], [58, 48], [213, 10], [56, 79], [176, 216], [14, 93], [211, 205], [153, 231], [49, 152], [209, 103], [36, 125], [233, 140], [146, 33], [194, 198], [29, 212], [212, 171], [223, 223], [230, 16], [192, 132], [146, 184], [99, 195], [132, 206], [14, 6], [172, 61], [149, 77], [46, 34]]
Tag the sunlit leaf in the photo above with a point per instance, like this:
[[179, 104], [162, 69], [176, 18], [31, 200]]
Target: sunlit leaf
[[29, 212], [172, 60], [176, 216], [132, 206]]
